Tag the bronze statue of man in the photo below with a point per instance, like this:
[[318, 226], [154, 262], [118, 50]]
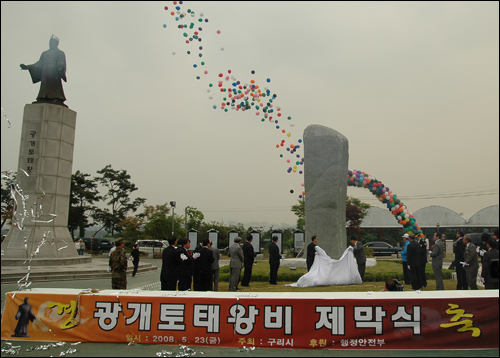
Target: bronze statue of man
[[50, 69]]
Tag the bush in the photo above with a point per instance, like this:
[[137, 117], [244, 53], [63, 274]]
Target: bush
[[369, 252], [260, 273]]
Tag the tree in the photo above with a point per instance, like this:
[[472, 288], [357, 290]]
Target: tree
[[7, 199], [83, 195], [300, 210], [355, 212], [195, 218], [132, 229], [157, 224], [117, 198]]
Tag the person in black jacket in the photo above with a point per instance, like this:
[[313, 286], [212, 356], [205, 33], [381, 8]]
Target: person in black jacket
[[359, 254], [459, 249], [196, 277], [135, 261], [204, 267], [249, 255], [186, 267], [489, 273], [311, 252], [170, 266], [495, 237], [274, 261], [483, 247], [423, 261], [413, 259]]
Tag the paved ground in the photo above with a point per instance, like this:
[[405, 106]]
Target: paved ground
[[146, 280]]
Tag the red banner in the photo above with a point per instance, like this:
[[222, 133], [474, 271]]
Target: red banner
[[385, 320]]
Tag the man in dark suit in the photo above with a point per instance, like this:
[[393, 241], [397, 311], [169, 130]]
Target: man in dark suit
[[423, 260], [311, 252], [196, 278], [471, 265], [186, 267], [459, 257], [170, 266], [359, 254], [483, 247], [437, 255], [249, 254], [274, 261], [413, 259], [204, 266], [491, 256]]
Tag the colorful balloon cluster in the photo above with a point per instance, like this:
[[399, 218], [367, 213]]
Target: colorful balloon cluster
[[239, 95], [361, 179], [251, 96]]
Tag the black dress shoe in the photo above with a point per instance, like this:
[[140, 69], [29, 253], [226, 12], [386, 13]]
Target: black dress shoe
[[237, 288]]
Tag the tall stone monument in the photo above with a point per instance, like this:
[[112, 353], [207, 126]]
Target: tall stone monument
[[326, 165], [44, 171], [44, 176]]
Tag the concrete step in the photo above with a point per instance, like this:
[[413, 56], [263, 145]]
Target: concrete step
[[71, 274]]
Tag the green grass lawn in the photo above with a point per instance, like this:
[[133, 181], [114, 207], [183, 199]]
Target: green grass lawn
[[375, 278]]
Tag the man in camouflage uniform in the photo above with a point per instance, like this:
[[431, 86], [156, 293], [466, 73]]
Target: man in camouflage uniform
[[118, 264]]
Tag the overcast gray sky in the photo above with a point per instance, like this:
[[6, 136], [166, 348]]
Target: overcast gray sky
[[413, 86]]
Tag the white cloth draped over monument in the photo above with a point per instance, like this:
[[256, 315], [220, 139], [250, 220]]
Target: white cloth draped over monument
[[326, 271]]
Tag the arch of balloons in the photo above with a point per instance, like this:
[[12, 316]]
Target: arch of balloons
[[385, 195]]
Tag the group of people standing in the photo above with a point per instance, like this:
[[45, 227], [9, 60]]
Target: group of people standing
[[80, 246], [244, 256], [467, 261], [184, 269], [414, 257]]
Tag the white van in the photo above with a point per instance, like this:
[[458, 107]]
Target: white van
[[151, 246]]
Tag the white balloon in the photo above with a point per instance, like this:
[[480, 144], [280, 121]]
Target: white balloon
[[222, 48], [173, 53]]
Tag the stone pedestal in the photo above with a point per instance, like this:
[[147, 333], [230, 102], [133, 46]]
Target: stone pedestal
[[44, 175], [326, 154]]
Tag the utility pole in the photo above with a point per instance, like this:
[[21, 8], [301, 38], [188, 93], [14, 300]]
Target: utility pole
[[186, 221], [172, 204]]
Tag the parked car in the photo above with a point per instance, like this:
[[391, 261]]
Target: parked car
[[381, 248], [98, 243], [151, 246]]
